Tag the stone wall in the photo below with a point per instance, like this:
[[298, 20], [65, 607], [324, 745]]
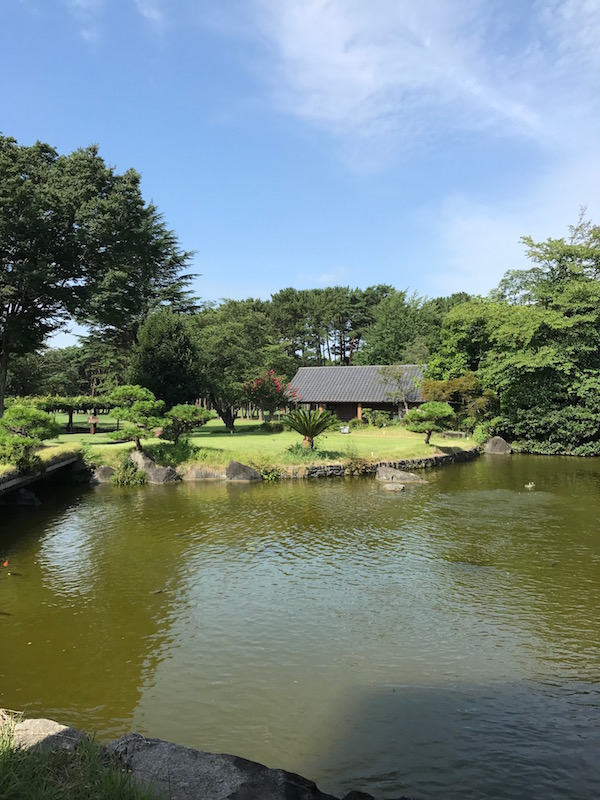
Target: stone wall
[[408, 464]]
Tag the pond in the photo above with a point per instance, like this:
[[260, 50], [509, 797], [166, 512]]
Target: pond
[[443, 642]]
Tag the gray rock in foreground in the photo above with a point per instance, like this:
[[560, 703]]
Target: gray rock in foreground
[[154, 474], [393, 475], [46, 733], [181, 773], [241, 472], [498, 446]]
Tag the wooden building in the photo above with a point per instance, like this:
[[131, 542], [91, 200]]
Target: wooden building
[[347, 390]]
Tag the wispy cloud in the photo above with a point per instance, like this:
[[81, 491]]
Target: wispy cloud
[[153, 12], [87, 13], [395, 68], [388, 76]]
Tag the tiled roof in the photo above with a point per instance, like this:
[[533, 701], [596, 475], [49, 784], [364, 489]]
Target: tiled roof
[[352, 384]]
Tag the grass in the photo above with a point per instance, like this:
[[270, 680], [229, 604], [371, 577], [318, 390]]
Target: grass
[[213, 446], [7, 471], [85, 773], [48, 455], [51, 454]]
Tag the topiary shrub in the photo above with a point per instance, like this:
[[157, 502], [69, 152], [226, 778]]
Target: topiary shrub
[[20, 452]]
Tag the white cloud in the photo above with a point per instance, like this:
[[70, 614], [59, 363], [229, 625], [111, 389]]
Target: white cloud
[[87, 12], [383, 77], [152, 12], [395, 69]]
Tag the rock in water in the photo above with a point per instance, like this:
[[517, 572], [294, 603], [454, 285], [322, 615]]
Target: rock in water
[[23, 497], [393, 475], [154, 474], [241, 472], [498, 446], [102, 475], [201, 473]]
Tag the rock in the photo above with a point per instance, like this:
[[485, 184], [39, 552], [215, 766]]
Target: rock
[[393, 475], [394, 487], [102, 474], [23, 497], [45, 733], [181, 773], [197, 473], [80, 472], [498, 446], [154, 474], [177, 772], [241, 472]]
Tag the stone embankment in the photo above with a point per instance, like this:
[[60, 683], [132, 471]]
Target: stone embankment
[[243, 473], [408, 464], [180, 773]]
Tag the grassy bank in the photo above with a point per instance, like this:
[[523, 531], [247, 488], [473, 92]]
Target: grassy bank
[[85, 773], [48, 455], [212, 445]]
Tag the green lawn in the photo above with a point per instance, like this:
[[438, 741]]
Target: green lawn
[[250, 444]]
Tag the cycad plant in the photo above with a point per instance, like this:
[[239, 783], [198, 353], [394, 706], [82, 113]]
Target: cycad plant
[[309, 424]]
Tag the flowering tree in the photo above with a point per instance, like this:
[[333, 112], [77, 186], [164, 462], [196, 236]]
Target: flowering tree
[[269, 392]]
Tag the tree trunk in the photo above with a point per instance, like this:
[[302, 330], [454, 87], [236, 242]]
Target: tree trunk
[[138, 445], [3, 375], [226, 412], [427, 437], [308, 442]]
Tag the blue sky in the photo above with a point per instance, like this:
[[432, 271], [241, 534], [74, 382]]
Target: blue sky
[[316, 142]]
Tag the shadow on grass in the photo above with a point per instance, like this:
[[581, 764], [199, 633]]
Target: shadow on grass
[[449, 449]]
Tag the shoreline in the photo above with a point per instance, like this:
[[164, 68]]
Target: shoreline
[[169, 770]]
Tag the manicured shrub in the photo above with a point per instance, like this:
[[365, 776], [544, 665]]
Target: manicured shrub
[[377, 418], [19, 452]]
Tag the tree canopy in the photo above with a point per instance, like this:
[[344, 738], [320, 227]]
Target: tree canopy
[[77, 240]]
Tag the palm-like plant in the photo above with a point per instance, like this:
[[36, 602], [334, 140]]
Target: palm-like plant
[[309, 424]]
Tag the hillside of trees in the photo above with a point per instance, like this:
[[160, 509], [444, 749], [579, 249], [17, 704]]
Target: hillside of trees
[[78, 242]]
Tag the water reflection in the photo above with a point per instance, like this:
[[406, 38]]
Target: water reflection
[[440, 638]]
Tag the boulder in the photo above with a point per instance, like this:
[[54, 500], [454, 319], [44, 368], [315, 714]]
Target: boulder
[[80, 472], [154, 473], [241, 472], [180, 773], [45, 733], [393, 475], [22, 497], [394, 487], [498, 446], [102, 474], [177, 772], [199, 473]]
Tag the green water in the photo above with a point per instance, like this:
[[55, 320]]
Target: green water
[[440, 643]]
